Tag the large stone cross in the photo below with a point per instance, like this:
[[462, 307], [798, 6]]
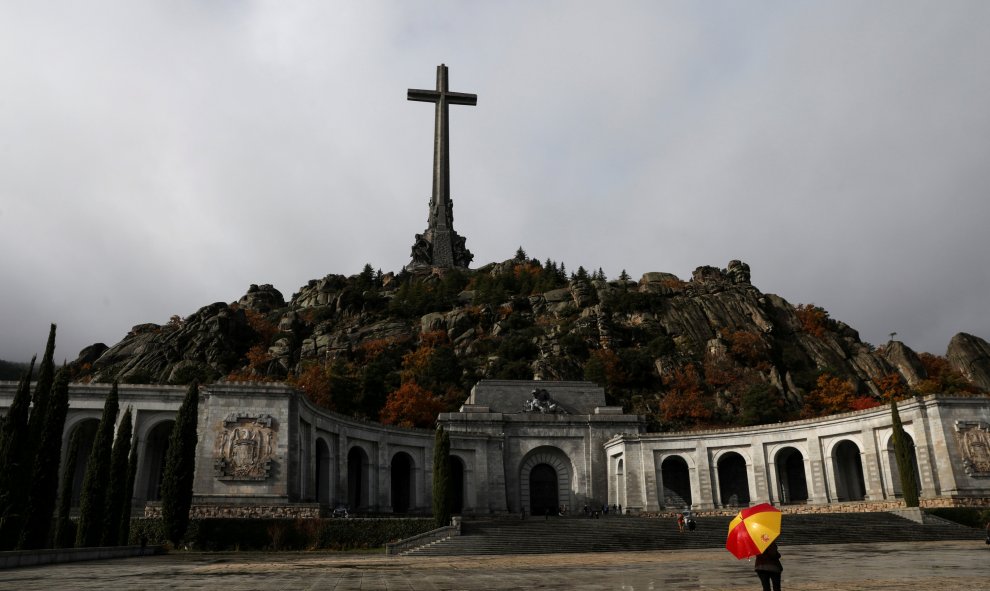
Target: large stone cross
[[446, 249]]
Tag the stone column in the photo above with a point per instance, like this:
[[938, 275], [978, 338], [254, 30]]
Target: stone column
[[871, 467], [702, 497], [759, 491], [815, 474]]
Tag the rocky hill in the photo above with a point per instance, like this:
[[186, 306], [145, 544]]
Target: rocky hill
[[706, 351]]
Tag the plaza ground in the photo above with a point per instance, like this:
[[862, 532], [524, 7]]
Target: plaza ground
[[914, 566]]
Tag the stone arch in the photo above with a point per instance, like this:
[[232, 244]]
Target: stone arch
[[152, 454], [792, 482], [457, 470], [87, 431], [620, 481], [358, 479], [548, 462], [675, 482], [323, 472], [403, 491], [896, 489], [733, 480], [847, 464]]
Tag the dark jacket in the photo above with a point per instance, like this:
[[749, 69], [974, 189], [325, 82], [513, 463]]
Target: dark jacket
[[769, 560]]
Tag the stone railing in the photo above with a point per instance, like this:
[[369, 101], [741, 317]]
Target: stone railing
[[423, 539], [843, 507], [243, 511]]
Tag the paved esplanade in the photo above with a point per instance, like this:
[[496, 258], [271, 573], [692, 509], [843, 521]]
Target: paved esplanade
[[914, 566]]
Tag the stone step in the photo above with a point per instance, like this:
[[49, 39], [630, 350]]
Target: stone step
[[612, 534]]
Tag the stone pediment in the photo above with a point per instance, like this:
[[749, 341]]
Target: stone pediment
[[514, 396]]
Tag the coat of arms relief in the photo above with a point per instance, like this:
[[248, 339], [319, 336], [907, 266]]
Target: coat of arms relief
[[244, 447], [974, 444]]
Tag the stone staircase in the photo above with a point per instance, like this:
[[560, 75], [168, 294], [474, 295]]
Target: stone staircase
[[626, 533]]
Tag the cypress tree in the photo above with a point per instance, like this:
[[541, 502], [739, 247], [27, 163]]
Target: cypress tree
[[909, 482], [44, 481], [180, 466], [124, 529], [42, 391], [63, 525], [441, 478], [93, 500], [118, 482], [14, 448]]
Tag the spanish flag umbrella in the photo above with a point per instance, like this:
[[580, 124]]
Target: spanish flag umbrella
[[752, 530]]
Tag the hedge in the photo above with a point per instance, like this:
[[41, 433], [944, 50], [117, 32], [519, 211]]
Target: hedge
[[283, 534], [971, 516]]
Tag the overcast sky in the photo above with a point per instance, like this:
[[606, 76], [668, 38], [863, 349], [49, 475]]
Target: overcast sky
[[156, 157]]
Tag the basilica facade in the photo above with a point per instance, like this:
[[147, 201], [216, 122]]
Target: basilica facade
[[535, 447]]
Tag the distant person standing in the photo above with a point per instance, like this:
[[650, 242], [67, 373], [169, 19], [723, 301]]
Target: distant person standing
[[680, 522], [768, 567]]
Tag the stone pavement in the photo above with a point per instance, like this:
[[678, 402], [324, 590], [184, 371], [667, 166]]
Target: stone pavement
[[915, 566]]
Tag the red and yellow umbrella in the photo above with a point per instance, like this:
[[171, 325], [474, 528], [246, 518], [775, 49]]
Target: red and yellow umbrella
[[752, 530]]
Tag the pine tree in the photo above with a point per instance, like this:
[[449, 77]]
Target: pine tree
[[63, 524], [14, 452], [909, 482], [441, 478], [124, 529], [118, 482], [44, 480], [180, 466], [93, 500]]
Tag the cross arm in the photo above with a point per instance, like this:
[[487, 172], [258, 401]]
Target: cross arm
[[426, 96], [462, 98]]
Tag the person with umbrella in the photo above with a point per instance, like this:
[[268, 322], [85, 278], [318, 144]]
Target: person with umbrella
[[768, 567], [752, 533]]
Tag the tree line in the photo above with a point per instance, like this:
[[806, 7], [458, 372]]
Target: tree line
[[35, 503]]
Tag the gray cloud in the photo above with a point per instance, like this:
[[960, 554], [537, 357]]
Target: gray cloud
[[156, 157]]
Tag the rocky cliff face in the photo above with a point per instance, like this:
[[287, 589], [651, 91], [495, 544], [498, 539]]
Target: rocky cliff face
[[654, 344]]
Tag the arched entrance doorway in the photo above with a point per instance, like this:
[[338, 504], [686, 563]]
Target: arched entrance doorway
[[402, 482], [155, 449], [543, 489], [85, 430], [733, 481], [792, 485], [849, 482], [545, 481], [895, 473], [676, 483], [322, 472], [620, 481], [456, 485], [357, 476]]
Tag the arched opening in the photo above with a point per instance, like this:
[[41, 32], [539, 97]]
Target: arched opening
[[676, 483], [791, 480], [155, 449], [895, 472], [849, 482], [357, 475], [733, 481], [543, 489], [86, 431], [456, 485], [540, 492], [322, 472], [620, 481], [402, 482]]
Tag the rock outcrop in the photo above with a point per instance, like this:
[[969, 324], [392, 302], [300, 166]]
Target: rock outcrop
[[970, 356], [522, 320]]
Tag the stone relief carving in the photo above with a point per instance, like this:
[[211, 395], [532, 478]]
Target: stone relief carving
[[244, 447], [974, 445]]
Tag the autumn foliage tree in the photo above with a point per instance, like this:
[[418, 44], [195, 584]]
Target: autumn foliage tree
[[685, 402], [831, 395], [411, 406], [942, 378], [813, 319]]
